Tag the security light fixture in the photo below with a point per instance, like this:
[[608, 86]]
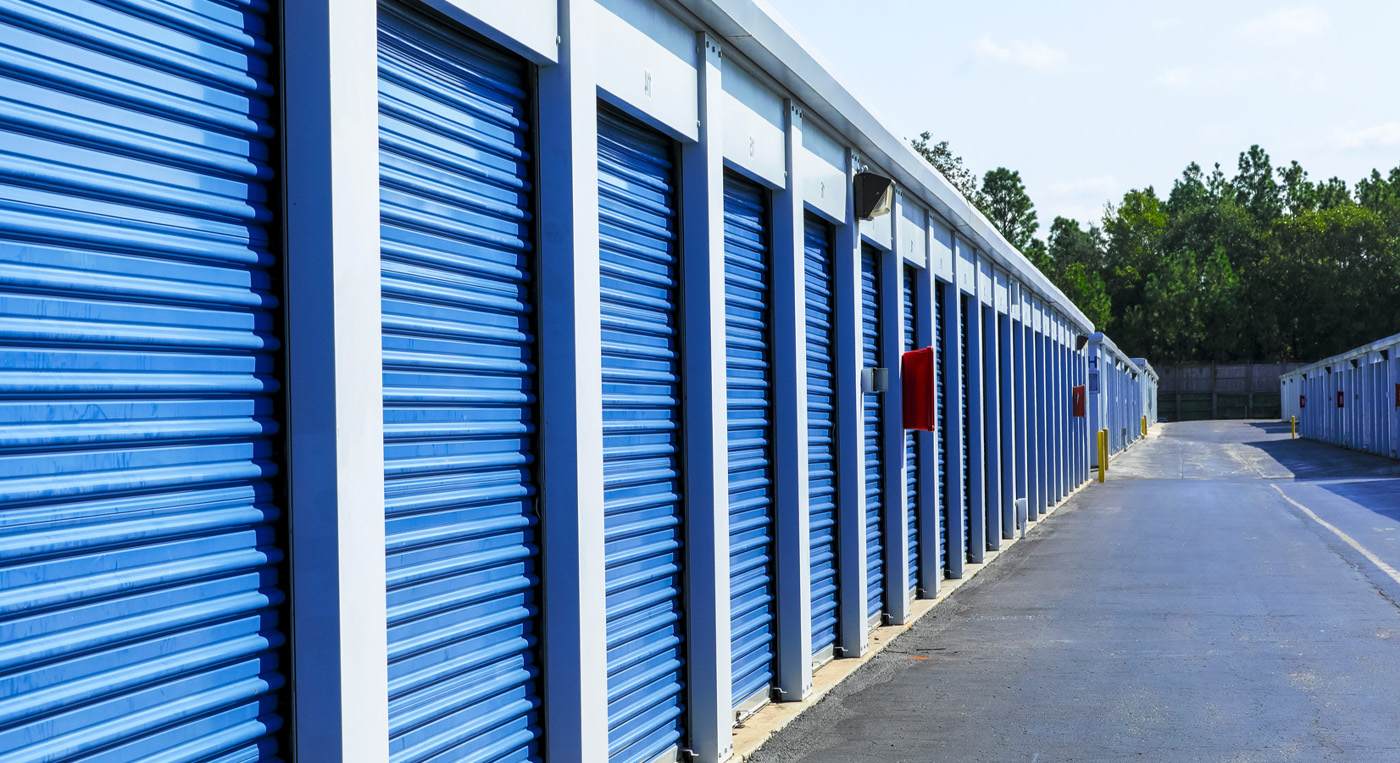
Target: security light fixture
[[874, 195], [1079, 341]]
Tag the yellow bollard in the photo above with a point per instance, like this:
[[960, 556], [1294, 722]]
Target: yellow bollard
[[1103, 453], [1144, 426], [1293, 423]]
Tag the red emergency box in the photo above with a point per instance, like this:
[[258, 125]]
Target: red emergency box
[[1397, 396], [1302, 401], [1341, 399], [1081, 402], [916, 374]]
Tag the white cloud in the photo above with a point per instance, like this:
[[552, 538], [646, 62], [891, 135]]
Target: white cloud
[[1032, 54], [1285, 25], [1204, 78], [1105, 186], [1162, 25], [1080, 200], [1380, 136]]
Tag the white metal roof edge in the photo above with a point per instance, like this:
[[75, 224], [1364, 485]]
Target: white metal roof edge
[[1362, 351], [1145, 366], [1102, 338], [760, 34]]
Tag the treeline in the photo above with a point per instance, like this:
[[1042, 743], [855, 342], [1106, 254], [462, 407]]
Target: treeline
[[1266, 265]]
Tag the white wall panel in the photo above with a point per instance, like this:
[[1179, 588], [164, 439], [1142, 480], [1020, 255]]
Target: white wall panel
[[754, 140], [646, 61], [965, 265], [529, 27], [823, 173], [941, 250], [913, 232]]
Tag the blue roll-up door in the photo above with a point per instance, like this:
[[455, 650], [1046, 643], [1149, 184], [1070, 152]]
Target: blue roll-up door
[[964, 371], [748, 331], [945, 424], [911, 446], [821, 435], [874, 450], [140, 471], [642, 478], [459, 395]]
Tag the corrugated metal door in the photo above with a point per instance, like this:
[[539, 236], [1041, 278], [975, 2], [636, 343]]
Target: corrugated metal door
[[940, 318], [911, 445], [821, 437], [874, 452], [748, 331], [459, 395], [642, 478], [139, 472], [964, 374]]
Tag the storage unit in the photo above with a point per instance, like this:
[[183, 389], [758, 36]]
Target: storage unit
[[643, 481], [965, 437], [946, 428], [821, 438], [874, 424], [142, 477], [748, 342], [616, 407], [911, 445], [1120, 389], [1351, 399], [459, 384]]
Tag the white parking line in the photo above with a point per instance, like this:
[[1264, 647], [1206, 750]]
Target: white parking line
[[1376, 560]]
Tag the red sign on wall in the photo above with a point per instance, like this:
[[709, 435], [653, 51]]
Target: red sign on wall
[[918, 368], [1302, 401], [1341, 399]]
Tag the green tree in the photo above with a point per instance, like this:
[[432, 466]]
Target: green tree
[[1299, 194], [1009, 208], [1255, 188], [1332, 194], [950, 166], [1069, 245], [1086, 288], [1265, 265]]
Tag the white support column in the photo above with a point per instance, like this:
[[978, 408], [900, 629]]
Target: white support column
[[1046, 420], [975, 432], [930, 552], [571, 399], [1023, 416], [1010, 418], [1065, 408], [794, 545], [992, 426], [706, 419], [897, 516], [952, 455], [334, 389], [1057, 408], [852, 638], [1036, 359], [1081, 425]]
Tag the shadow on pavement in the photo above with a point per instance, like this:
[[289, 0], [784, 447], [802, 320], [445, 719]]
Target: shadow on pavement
[[1310, 460], [1365, 479], [1271, 427]]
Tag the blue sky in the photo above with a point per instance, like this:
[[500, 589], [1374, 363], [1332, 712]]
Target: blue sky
[[1089, 98]]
